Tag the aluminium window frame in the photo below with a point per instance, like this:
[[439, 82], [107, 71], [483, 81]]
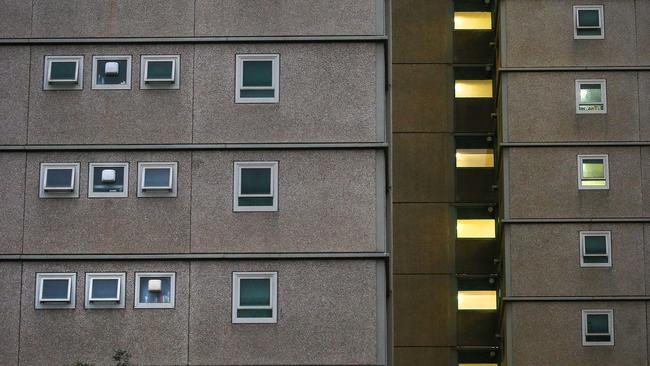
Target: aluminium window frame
[[239, 78], [67, 303], [173, 84], [605, 159], [608, 247], [118, 303], [238, 165], [171, 191], [59, 193], [95, 72], [603, 93], [91, 180], [273, 297], [610, 325], [147, 305], [576, 21], [77, 84]]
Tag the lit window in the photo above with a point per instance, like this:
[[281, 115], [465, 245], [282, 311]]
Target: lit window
[[477, 364], [104, 290], [593, 172], [63, 73], [591, 96], [475, 228], [597, 327], [256, 186], [477, 300], [157, 179], [474, 158], [254, 297], [473, 88], [588, 21], [595, 249], [257, 79], [472, 20], [160, 72], [108, 180], [59, 180], [111, 72], [154, 290], [55, 290]]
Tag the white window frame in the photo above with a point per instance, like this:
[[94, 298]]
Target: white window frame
[[608, 246], [169, 191], [72, 192], [115, 303], [610, 314], [273, 165], [112, 86], [239, 79], [273, 296], [172, 291], [91, 180], [67, 303], [603, 93], [605, 159], [600, 9], [174, 83], [76, 84]]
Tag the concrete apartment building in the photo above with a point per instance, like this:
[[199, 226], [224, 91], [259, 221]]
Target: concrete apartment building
[[198, 182]]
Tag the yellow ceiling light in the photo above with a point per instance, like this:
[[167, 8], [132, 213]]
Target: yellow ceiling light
[[474, 158], [473, 88], [477, 300], [477, 20], [475, 228]]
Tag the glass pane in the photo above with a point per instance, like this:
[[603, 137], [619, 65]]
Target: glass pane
[[55, 289], [598, 338], [258, 73], [589, 32], [59, 178], [155, 297], [597, 323], [473, 88], [591, 93], [254, 292], [268, 93], [472, 20], [255, 201], [63, 70], [99, 186], [598, 259], [160, 69], [588, 18], [156, 177], [475, 228], [595, 244], [593, 169], [474, 158], [255, 181], [254, 313], [119, 79], [477, 300], [104, 288]]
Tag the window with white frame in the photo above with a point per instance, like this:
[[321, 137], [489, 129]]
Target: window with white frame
[[595, 249], [160, 71], [157, 179], [108, 180], [593, 172], [256, 186], [105, 290], [55, 290], [598, 327], [588, 22], [63, 73], [155, 290], [111, 72], [257, 78], [59, 180], [254, 297], [591, 96]]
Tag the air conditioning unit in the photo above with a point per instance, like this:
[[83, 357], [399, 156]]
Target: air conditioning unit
[[111, 68]]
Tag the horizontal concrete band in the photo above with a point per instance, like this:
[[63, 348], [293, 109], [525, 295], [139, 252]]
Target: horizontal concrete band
[[576, 220], [575, 143], [575, 298], [238, 39], [194, 256], [575, 68], [229, 146]]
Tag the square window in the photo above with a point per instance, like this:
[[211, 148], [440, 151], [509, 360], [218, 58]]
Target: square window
[[105, 290], [59, 180], [472, 20], [597, 327], [595, 249], [155, 290], [157, 179], [108, 180], [591, 96], [160, 72], [254, 297], [257, 79], [111, 72], [593, 172], [256, 185], [588, 22], [55, 290], [63, 73]]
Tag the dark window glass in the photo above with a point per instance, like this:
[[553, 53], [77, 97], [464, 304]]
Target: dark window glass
[[588, 18], [254, 313], [159, 69], [119, 79], [155, 297], [156, 177], [248, 93], [59, 178], [595, 244], [597, 323], [105, 288], [63, 70], [99, 186], [55, 289], [256, 181], [258, 73], [254, 292]]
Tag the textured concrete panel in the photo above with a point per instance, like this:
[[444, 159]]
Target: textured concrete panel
[[545, 261], [422, 240], [14, 92], [422, 31], [327, 94], [642, 10], [544, 183], [10, 314], [16, 18], [425, 310], [421, 98], [65, 336], [423, 356], [111, 116], [107, 225], [12, 185], [644, 105], [645, 176], [99, 18], [327, 202], [534, 114], [545, 38], [537, 341], [285, 17], [423, 167], [326, 315]]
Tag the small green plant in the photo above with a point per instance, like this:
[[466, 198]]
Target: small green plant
[[122, 357]]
